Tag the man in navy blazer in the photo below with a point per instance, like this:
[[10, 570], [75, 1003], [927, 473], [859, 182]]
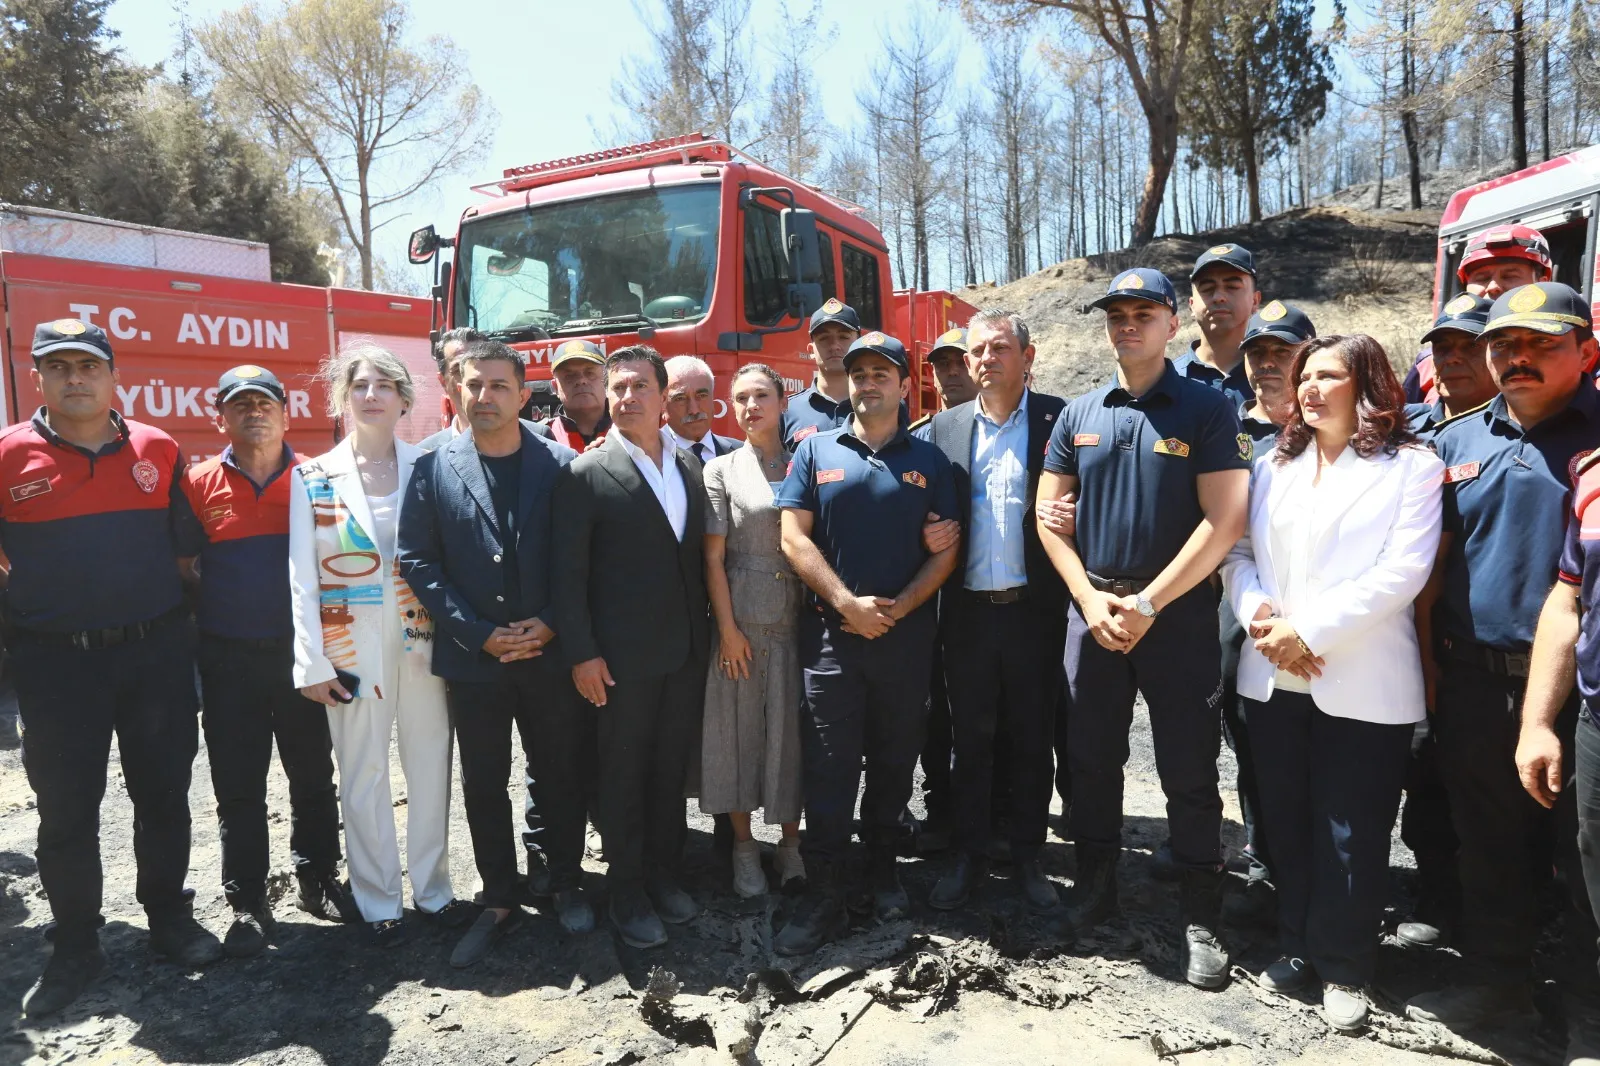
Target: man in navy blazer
[[475, 546]]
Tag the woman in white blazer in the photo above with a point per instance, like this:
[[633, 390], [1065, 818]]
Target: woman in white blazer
[[1344, 523], [363, 644]]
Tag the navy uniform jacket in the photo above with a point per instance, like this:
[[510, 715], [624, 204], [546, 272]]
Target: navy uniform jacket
[[952, 432], [449, 549]]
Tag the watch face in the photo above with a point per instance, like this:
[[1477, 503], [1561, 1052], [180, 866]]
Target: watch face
[[1146, 608]]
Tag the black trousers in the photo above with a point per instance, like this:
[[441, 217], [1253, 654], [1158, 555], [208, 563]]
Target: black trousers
[[647, 733], [1587, 791], [72, 702], [1508, 840], [1004, 672], [1425, 825], [537, 698], [1236, 731], [1175, 665], [249, 699], [863, 698], [1330, 790]]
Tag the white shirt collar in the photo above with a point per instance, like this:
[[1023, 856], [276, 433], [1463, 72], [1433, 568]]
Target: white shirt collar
[[638, 454], [692, 446]]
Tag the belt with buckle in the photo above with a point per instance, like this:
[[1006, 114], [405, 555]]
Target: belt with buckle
[[95, 639], [1119, 586], [998, 596], [1495, 661]]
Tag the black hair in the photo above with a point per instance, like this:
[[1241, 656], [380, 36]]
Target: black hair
[[461, 334], [482, 350], [765, 371], [638, 353]]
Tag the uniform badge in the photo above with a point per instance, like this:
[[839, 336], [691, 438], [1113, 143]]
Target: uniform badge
[[833, 306], [871, 339], [68, 327], [1273, 311], [574, 348], [1130, 281], [826, 477], [247, 371], [1085, 440], [1465, 302], [146, 475], [30, 490], [914, 477], [1221, 249], [1463, 472], [804, 432], [1527, 298], [1172, 446], [1247, 447], [214, 515], [950, 336]]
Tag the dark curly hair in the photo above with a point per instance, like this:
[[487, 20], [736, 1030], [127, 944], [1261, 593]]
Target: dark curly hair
[[1380, 402]]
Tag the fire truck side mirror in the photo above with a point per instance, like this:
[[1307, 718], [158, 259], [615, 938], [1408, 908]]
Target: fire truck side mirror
[[799, 231], [423, 244]]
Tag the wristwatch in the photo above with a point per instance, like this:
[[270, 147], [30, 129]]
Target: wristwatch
[[1145, 607]]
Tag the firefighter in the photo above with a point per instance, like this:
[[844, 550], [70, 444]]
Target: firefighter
[[1456, 358], [1495, 262], [577, 369], [93, 522], [1507, 494], [1223, 296], [826, 404]]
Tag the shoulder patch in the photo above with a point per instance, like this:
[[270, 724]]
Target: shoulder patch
[[30, 490], [825, 477], [1247, 447], [919, 423], [914, 477], [1172, 446], [1462, 472], [803, 432]]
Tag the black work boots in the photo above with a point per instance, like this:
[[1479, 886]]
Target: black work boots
[[1205, 960]]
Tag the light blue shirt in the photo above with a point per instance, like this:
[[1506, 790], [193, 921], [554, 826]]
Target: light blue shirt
[[999, 500]]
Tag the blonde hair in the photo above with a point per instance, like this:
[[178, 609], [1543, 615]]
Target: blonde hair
[[337, 370]]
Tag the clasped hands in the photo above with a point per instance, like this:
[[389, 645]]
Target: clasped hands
[[1276, 639], [519, 640]]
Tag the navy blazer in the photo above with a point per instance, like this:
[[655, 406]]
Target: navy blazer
[[953, 432], [449, 544]]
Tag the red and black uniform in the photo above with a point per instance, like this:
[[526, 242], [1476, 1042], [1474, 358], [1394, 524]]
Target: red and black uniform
[[246, 675], [101, 644], [564, 430]]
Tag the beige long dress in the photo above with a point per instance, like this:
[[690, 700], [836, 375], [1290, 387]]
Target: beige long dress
[[750, 746]]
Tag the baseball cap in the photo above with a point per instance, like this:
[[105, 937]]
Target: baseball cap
[[1546, 306], [249, 378], [1140, 283], [1282, 321], [1506, 242], [1467, 313], [953, 339], [70, 335], [584, 351], [882, 344], [835, 311], [1234, 255]]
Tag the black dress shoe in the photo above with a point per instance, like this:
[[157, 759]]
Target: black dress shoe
[[485, 933], [1035, 887], [251, 931], [389, 933], [820, 917], [955, 887], [636, 920], [65, 977], [573, 911], [457, 914]]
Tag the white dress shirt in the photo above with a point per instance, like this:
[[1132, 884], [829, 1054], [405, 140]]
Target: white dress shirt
[[704, 449], [665, 481]]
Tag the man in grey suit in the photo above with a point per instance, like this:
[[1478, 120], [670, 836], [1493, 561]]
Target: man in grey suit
[[631, 609], [475, 546], [691, 403]]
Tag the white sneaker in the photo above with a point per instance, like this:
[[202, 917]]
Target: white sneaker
[[749, 880], [789, 863]]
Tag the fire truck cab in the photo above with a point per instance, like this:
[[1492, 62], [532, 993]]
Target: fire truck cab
[[683, 244]]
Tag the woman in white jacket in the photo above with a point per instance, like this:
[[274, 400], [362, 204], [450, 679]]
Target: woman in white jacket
[[1344, 524], [363, 644]]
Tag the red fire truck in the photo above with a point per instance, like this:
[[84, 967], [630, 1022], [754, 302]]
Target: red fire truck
[[181, 308], [1560, 198], [684, 244]]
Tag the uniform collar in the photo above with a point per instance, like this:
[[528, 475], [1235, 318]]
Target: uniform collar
[[571, 427], [1246, 419], [820, 401], [1166, 385], [1586, 402], [41, 426], [226, 458], [901, 438]]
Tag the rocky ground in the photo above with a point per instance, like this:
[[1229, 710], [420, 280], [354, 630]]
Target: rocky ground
[[989, 984]]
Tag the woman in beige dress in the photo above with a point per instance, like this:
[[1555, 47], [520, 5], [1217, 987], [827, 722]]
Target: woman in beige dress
[[750, 754]]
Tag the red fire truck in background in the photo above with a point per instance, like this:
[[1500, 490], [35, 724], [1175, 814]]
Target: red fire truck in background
[[683, 244], [181, 308]]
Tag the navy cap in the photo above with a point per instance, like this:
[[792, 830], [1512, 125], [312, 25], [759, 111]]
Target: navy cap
[[835, 311], [1547, 306], [1283, 321], [954, 340], [584, 351], [1467, 313], [1140, 283], [1234, 255], [882, 344], [249, 378], [70, 335]]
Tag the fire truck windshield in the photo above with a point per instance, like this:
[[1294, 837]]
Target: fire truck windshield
[[613, 262]]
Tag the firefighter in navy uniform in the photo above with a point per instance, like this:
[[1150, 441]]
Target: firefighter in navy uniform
[[826, 404], [93, 523], [1507, 495], [1161, 470], [1461, 378], [1222, 300]]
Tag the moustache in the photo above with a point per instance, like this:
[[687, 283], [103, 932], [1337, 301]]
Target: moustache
[[1522, 372], [700, 417]]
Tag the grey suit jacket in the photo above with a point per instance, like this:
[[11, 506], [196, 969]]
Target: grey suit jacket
[[625, 587]]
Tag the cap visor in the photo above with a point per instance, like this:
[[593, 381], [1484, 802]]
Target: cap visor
[[70, 346], [1130, 294], [1474, 328], [833, 320], [252, 386], [1276, 334], [857, 353], [578, 357], [1539, 322], [1220, 261]]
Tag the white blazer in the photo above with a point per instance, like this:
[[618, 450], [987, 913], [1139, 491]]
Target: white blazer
[[357, 626], [1372, 553]]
